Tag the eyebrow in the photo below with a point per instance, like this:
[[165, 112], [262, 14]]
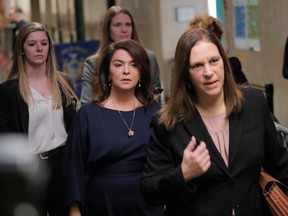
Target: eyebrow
[[46, 40], [132, 61]]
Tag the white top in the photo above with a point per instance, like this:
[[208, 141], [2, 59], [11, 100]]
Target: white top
[[46, 130]]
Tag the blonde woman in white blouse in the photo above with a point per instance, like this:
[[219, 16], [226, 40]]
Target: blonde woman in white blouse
[[39, 101]]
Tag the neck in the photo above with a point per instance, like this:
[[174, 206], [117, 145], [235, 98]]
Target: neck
[[211, 107], [35, 72], [121, 105], [122, 101]]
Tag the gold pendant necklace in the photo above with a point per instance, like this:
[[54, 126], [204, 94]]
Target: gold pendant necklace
[[130, 131]]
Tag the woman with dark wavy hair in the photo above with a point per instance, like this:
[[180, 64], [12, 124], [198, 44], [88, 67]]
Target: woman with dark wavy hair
[[108, 141]]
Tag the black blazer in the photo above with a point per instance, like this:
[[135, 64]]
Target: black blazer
[[14, 114], [253, 144]]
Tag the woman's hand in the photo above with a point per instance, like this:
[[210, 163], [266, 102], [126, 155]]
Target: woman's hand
[[74, 210], [196, 160]]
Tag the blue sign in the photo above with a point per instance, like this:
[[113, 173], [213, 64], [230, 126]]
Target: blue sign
[[70, 59]]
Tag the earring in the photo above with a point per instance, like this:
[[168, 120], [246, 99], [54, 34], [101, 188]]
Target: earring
[[139, 83], [109, 82], [22, 54]]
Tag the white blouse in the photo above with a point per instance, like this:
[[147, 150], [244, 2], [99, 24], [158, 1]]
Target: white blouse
[[46, 130]]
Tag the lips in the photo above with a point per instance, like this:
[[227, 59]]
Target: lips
[[212, 84], [124, 37], [126, 80]]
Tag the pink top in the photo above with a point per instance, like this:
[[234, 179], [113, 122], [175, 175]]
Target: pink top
[[218, 128]]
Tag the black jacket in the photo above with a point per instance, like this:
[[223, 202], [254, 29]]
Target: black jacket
[[253, 144], [14, 114]]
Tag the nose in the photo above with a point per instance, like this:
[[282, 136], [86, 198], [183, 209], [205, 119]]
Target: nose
[[39, 47], [126, 69], [123, 28], [208, 71]]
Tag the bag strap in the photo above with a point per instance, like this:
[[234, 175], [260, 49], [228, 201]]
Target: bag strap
[[266, 181]]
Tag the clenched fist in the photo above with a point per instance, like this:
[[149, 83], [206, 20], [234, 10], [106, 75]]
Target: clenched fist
[[196, 160]]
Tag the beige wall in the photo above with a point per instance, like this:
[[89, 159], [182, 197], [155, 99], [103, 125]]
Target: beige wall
[[94, 12], [266, 66]]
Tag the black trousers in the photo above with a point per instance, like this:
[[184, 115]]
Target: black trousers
[[54, 198]]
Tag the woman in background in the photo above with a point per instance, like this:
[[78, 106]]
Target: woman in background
[[118, 24]]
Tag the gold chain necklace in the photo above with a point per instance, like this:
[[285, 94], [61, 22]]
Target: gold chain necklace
[[130, 131]]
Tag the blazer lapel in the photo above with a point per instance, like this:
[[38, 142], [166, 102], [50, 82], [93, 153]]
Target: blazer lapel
[[197, 128], [22, 112], [235, 127]]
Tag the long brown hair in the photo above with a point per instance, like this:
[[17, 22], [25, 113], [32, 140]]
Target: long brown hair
[[181, 104], [56, 80], [144, 93], [105, 38]]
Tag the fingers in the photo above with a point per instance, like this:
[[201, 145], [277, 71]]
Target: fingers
[[201, 157], [191, 145], [200, 150], [196, 160]]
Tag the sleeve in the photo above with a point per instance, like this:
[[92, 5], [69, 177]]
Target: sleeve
[[4, 108], [276, 154], [69, 114], [285, 61], [89, 71], [155, 72], [163, 180], [75, 159]]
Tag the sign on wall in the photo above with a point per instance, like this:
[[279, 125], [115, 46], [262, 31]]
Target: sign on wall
[[246, 25], [70, 58]]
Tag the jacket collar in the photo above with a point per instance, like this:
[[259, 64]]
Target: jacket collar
[[23, 110], [196, 127]]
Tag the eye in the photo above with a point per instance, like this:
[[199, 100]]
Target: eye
[[31, 44], [133, 65], [196, 67], [44, 43], [117, 65], [214, 61], [128, 24]]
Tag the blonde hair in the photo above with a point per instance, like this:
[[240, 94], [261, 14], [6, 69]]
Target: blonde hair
[[58, 81]]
